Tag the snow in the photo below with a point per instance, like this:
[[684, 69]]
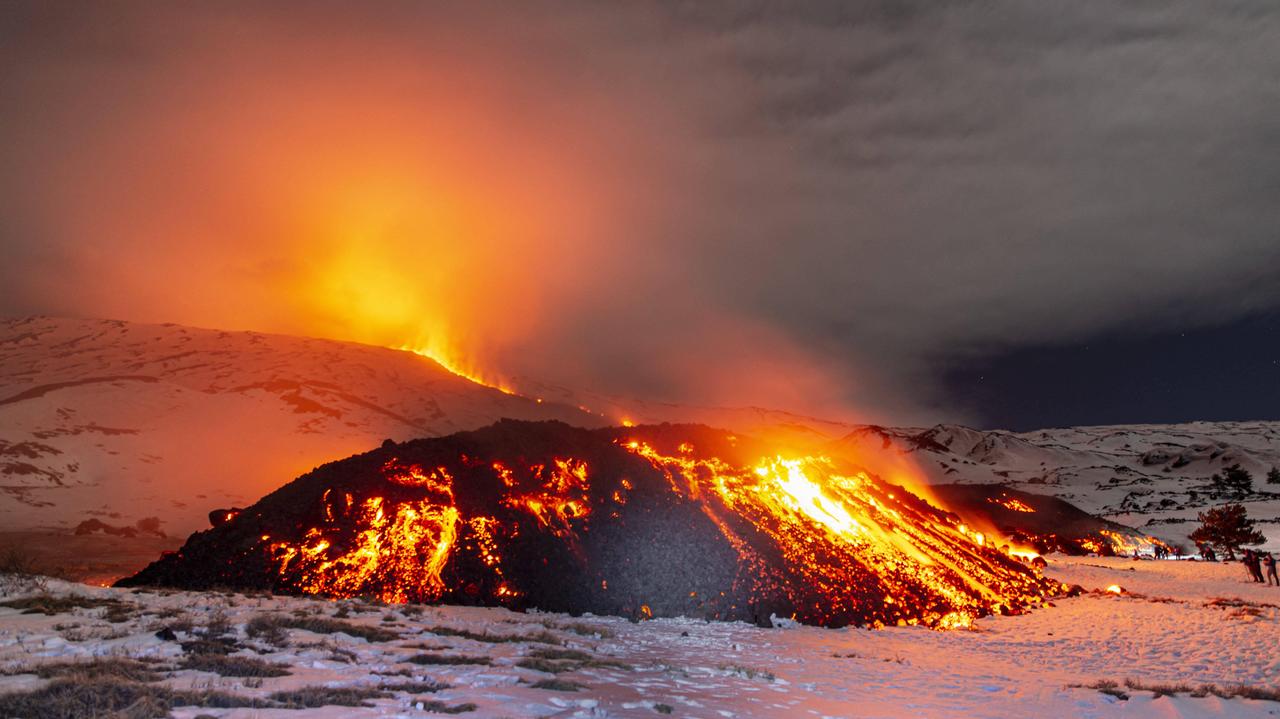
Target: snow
[[1164, 630], [1154, 477], [121, 421]]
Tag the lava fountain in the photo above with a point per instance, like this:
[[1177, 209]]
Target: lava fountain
[[669, 520]]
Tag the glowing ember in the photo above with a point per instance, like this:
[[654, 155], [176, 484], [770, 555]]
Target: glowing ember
[[1123, 545], [1115, 589], [544, 515], [1012, 503], [1025, 554]]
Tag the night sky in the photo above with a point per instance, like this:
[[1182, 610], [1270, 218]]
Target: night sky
[[1006, 214], [1228, 372]]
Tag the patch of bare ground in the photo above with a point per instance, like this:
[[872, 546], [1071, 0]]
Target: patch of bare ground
[[50, 604], [232, 666], [448, 659], [428, 687], [313, 697], [271, 628], [542, 637], [1241, 608], [581, 629], [1162, 689], [1236, 603], [123, 669], [558, 685], [79, 697], [439, 707], [557, 661]]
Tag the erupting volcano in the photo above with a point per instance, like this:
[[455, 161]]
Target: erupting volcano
[[649, 521]]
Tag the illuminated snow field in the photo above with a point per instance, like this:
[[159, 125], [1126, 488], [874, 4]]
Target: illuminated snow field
[[1165, 629]]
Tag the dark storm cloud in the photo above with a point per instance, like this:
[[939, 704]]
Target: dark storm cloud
[[984, 175], [875, 189]]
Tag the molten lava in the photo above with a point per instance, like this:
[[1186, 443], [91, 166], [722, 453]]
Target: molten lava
[[639, 521], [1026, 525], [831, 527], [1012, 503], [452, 360]]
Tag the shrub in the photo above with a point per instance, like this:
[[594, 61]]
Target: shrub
[[313, 697], [558, 685], [440, 707], [50, 605], [570, 654], [752, 673], [544, 665], [123, 669], [558, 661], [271, 628], [204, 645], [447, 659], [229, 666], [1107, 686], [428, 687], [542, 637], [79, 697]]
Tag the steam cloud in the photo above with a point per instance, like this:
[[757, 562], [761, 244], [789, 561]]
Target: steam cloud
[[813, 207]]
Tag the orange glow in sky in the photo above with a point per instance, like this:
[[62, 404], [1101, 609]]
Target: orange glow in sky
[[497, 209]]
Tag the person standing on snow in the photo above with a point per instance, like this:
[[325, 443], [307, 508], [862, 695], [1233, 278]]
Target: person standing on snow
[[1246, 559], [1253, 562], [1269, 561]]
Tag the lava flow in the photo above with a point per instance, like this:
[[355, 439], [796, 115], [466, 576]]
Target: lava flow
[[637, 521], [1027, 524]]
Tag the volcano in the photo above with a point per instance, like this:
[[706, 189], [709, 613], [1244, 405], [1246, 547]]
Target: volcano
[[650, 521]]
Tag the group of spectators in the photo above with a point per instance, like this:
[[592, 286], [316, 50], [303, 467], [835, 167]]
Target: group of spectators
[[1256, 562], [1207, 553], [1261, 566]]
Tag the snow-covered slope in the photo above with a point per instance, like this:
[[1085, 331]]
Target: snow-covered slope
[[1153, 476], [120, 422], [1173, 628]]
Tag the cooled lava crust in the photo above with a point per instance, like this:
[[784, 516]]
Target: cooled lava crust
[[653, 521]]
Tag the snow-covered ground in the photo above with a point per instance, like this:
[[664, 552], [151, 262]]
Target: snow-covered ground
[[1164, 631], [118, 422], [1156, 477]]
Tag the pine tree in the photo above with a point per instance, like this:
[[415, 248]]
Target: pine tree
[[1227, 527], [1234, 480], [1273, 477]]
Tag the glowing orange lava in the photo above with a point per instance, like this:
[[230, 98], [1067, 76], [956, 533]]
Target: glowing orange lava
[[1012, 503], [453, 361], [830, 524], [803, 533], [411, 543]]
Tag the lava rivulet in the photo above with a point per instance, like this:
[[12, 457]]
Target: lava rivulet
[[639, 521], [833, 527]]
